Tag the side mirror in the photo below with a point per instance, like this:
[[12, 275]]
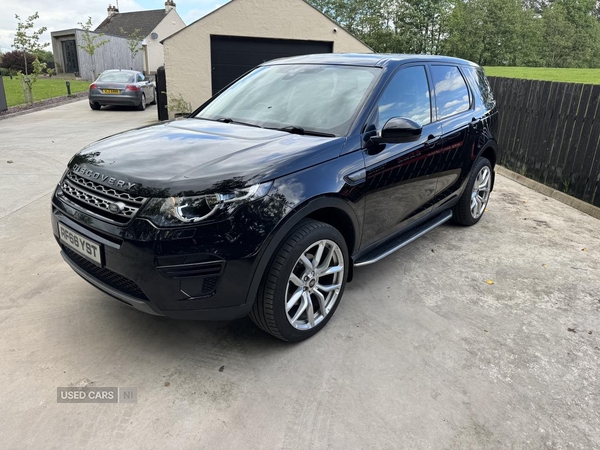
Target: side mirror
[[398, 130]]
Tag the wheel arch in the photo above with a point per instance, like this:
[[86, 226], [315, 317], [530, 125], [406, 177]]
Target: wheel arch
[[490, 151], [331, 210]]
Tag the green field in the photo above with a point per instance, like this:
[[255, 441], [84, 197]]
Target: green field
[[44, 88], [590, 76]]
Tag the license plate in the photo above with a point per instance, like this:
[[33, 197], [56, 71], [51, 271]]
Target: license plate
[[82, 245], [111, 91]]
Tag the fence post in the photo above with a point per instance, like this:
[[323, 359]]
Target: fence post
[[3, 104], [161, 93]]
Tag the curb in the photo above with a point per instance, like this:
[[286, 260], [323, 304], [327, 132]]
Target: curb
[[573, 202]]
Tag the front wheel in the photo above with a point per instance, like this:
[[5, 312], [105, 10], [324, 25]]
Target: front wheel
[[304, 283], [471, 206]]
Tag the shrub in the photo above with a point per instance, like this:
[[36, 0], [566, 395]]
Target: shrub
[[14, 61], [44, 56]]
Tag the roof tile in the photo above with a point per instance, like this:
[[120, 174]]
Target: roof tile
[[146, 21]]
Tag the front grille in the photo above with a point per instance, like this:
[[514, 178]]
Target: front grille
[[210, 285], [107, 276], [97, 199], [191, 270]]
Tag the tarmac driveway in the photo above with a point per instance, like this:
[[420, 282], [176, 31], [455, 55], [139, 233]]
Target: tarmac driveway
[[422, 353]]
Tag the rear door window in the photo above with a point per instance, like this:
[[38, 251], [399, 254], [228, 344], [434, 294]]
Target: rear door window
[[451, 92]]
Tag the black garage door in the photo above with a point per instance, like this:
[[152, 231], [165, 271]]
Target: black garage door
[[233, 56]]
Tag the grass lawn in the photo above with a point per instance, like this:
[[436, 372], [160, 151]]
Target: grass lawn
[[590, 76], [42, 89]]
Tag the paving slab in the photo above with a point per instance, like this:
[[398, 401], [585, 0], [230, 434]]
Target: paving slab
[[422, 352], [35, 147]]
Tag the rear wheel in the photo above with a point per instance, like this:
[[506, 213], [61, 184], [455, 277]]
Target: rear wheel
[[95, 106], [471, 206], [304, 283], [142, 105]]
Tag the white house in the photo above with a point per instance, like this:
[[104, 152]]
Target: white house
[[153, 25], [242, 34]]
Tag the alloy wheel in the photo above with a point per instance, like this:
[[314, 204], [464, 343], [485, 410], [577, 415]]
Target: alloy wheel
[[314, 284], [481, 192]]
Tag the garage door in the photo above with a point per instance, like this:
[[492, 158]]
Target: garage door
[[233, 56]]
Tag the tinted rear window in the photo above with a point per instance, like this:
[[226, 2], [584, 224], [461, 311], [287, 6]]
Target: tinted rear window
[[480, 83], [116, 77]]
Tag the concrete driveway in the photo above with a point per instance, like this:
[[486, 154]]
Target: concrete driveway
[[422, 353]]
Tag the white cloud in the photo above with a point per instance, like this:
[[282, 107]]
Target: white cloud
[[55, 15], [65, 14], [196, 13], [453, 103], [450, 84]]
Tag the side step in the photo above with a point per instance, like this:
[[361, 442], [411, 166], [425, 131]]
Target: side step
[[403, 240]]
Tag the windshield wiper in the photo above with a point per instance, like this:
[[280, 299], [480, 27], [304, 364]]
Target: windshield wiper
[[300, 130], [237, 122]]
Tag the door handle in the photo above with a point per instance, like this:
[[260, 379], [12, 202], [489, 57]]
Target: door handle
[[432, 140]]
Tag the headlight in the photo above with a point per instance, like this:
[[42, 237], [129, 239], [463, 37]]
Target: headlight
[[186, 210]]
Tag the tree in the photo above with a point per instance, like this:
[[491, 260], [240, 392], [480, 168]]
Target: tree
[[133, 42], [92, 42], [492, 32], [556, 33], [44, 56], [13, 61], [28, 43], [571, 34]]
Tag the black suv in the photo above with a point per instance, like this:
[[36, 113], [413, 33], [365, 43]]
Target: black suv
[[265, 199]]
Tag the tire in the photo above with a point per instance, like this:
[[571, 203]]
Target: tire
[[142, 105], [153, 102], [95, 106], [269, 311], [470, 208]]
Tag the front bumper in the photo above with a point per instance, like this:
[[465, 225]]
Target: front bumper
[[130, 300], [199, 273]]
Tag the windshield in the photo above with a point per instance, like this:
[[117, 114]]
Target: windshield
[[321, 99], [116, 77]]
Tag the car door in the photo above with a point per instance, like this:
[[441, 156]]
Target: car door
[[400, 179], [455, 112], [143, 82]]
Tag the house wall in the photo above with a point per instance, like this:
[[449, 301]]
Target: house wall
[[187, 53], [113, 55], [155, 50]]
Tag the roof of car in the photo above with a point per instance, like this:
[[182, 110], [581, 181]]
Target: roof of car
[[119, 70], [364, 59]]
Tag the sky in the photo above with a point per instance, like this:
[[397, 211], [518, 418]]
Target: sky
[[65, 14]]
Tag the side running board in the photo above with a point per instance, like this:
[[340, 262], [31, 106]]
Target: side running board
[[401, 241]]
